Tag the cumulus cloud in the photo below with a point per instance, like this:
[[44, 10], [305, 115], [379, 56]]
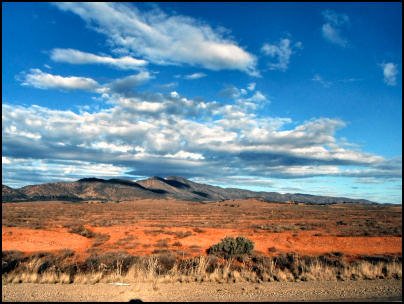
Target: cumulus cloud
[[163, 39], [390, 73], [158, 134], [247, 98], [281, 53], [257, 97], [230, 91], [332, 27], [41, 80], [78, 57]]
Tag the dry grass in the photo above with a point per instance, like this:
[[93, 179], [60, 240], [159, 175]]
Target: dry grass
[[83, 231], [64, 267]]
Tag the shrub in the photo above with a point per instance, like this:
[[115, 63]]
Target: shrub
[[83, 231], [10, 260], [100, 238], [166, 261], [272, 249], [113, 261], [232, 247]]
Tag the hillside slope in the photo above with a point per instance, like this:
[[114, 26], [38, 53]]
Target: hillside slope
[[172, 187]]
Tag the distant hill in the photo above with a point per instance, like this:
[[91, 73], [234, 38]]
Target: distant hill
[[172, 187], [11, 195]]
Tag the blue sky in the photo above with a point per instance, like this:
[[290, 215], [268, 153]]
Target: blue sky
[[283, 97]]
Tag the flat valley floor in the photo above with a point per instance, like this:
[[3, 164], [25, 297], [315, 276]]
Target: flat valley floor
[[187, 229], [143, 227]]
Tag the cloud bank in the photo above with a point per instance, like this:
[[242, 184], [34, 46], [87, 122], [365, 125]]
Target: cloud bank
[[148, 134], [163, 39]]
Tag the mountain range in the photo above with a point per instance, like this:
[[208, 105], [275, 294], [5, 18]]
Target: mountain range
[[171, 187]]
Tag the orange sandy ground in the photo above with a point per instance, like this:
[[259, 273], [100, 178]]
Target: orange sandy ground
[[145, 222], [32, 240]]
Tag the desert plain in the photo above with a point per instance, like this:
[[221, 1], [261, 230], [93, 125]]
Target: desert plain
[[335, 243]]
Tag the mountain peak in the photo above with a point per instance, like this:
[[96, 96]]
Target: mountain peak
[[177, 178], [154, 187], [156, 178], [91, 180]]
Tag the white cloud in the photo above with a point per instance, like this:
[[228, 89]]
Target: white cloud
[[195, 76], [281, 53], [154, 133], [257, 97], [334, 18], [5, 160], [77, 57], [41, 80], [150, 135], [318, 78], [38, 79], [127, 84], [111, 147], [162, 38], [168, 85], [331, 30], [333, 35], [243, 102], [298, 45], [230, 91], [41, 171], [174, 94], [251, 86], [185, 155], [390, 73]]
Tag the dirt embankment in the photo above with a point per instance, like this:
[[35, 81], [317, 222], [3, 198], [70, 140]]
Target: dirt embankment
[[378, 290]]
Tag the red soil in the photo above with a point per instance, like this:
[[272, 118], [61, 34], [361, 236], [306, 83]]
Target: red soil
[[145, 226], [141, 243], [33, 240]]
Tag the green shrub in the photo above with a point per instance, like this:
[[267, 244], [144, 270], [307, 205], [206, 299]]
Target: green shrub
[[232, 247]]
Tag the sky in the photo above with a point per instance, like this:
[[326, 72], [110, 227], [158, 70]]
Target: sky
[[285, 97]]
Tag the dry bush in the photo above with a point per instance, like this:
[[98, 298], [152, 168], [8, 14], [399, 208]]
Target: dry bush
[[163, 243], [182, 234], [100, 238], [166, 266], [83, 231], [272, 249]]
